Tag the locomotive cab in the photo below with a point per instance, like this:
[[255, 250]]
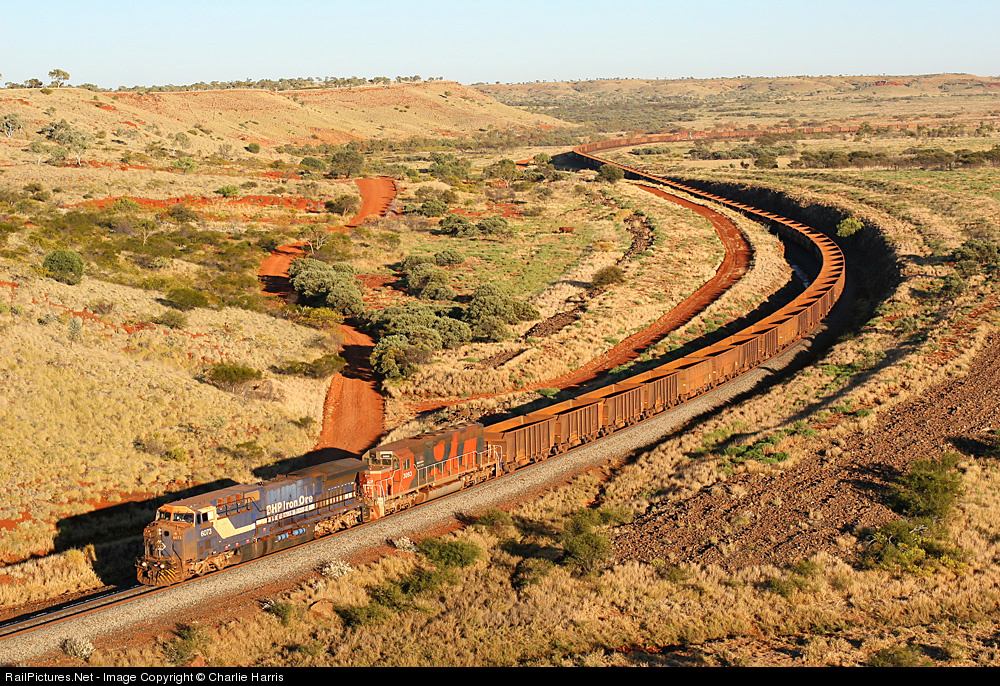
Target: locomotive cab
[[167, 542]]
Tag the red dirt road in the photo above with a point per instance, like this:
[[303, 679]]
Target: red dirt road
[[734, 266], [376, 194], [273, 272], [353, 410]]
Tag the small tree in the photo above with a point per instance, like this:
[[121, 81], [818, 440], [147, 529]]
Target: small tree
[[64, 265], [59, 77], [766, 161], [344, 204], [505, 171], [11, 124], [312, 163], [848, 227], [347, 163], [611, 173]]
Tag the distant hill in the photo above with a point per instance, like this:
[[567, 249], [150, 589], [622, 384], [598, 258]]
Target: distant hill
[[653, 105], [272, 118]]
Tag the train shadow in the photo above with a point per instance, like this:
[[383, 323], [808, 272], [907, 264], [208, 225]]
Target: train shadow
[[112, 535]]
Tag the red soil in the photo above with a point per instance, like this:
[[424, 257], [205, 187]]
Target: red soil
[[353, 410], [733, 267], [376, 194], [11, 524]]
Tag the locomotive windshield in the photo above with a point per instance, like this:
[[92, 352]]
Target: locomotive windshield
[[184, 517], [383, 459]]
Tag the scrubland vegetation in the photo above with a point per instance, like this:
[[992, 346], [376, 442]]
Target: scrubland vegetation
[[680, 554]]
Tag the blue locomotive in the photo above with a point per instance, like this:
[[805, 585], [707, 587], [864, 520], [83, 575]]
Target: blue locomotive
[[206, 533]]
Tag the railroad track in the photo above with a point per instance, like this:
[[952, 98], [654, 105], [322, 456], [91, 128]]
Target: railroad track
[[77, 608]]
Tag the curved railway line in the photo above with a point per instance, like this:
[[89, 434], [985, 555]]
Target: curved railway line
[[691, 376]]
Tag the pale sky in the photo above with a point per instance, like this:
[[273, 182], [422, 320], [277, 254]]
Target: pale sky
[[113, 43]]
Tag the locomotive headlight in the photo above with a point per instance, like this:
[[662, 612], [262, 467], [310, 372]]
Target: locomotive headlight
[[143, 564]]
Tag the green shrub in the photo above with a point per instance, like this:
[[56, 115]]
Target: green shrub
[[125, 206], [952, 286], [191, 640], [848, 227], [457, 225], [587, 551], [284, 611], [173, 319], [229, 376], [930, 489], [530, 572], [494, 518], [899, 656], [320, 318], [175, 454], [905, 546], [366, 615], [450, 553], [433, 208], [607, 276], [344, 297], [228, 191], [494, 226], [185, 299], [182, 214], [64, 265], [422, 580], [390, 596], [610, 173], [325, 366], [492, 329], [448, 258], [253, 148]]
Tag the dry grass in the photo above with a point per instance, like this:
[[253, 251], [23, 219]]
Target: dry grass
[[91, 422]]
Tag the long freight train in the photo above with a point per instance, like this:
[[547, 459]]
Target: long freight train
[[205, 533]]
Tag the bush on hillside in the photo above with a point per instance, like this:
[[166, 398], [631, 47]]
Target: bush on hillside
[[230, 376], [64, 265], [185, 299]]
